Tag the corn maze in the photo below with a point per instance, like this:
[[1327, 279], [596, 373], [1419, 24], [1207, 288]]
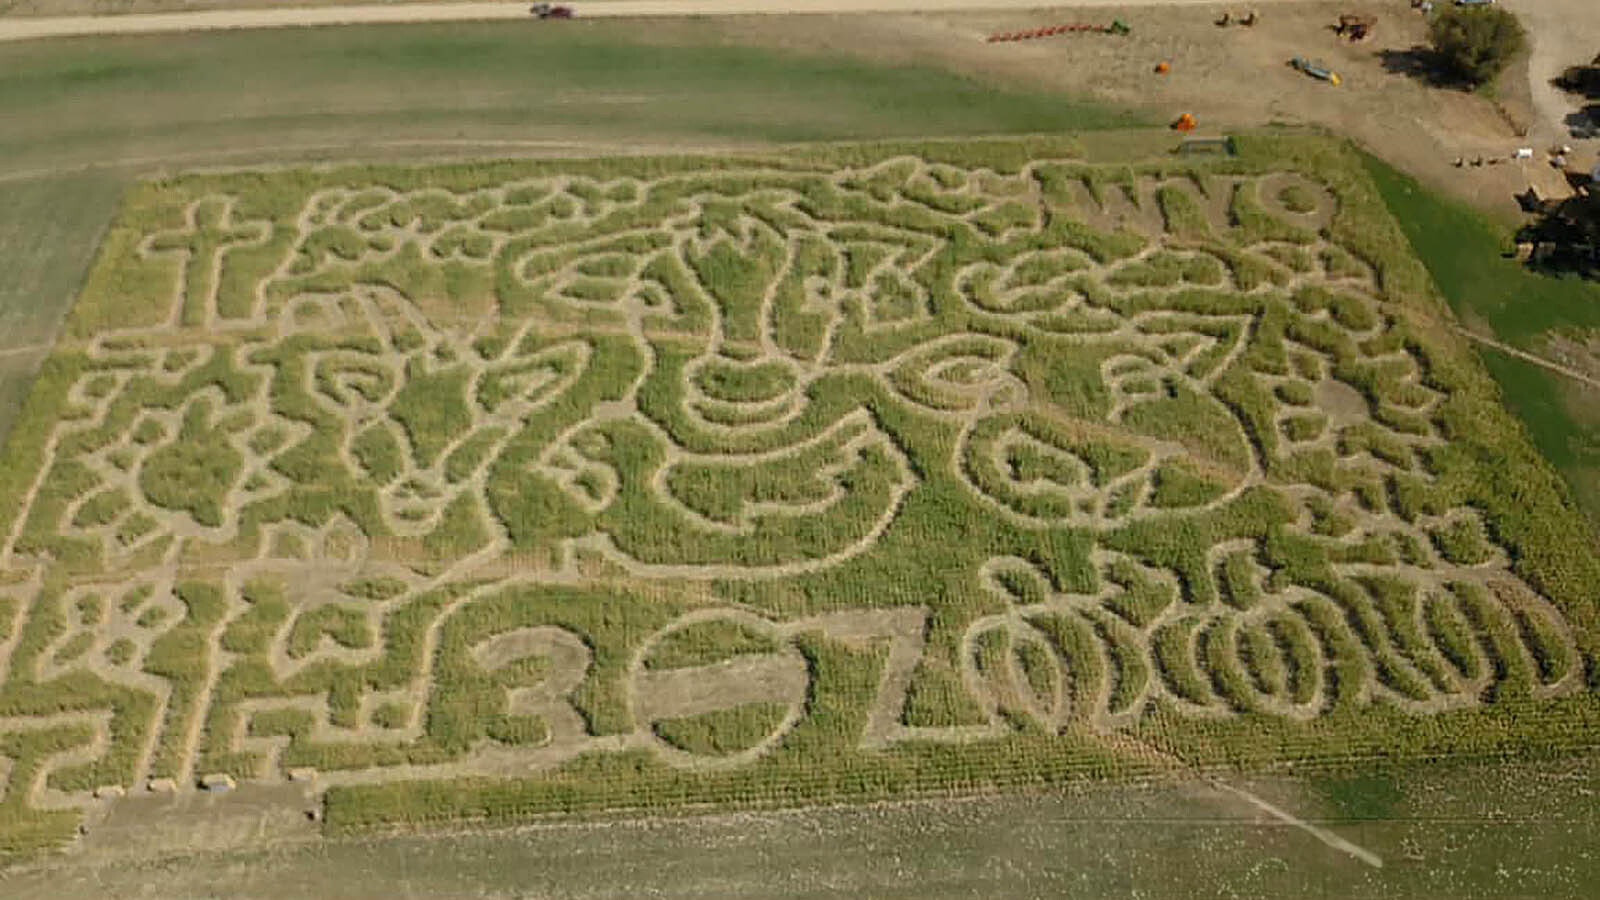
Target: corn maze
[[517, 489]]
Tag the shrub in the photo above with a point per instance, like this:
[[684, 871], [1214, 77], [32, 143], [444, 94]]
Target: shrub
[[1476, 43]]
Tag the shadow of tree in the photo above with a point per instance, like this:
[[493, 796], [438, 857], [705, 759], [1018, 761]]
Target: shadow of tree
[[1581, 80], [1585, 123], [1422, 63]]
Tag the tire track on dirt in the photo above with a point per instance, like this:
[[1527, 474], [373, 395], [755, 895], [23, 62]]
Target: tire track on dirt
[[1527, 357]]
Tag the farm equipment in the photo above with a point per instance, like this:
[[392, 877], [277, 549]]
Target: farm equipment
[[550, 11], [1356, 28], [1185, 123], [1206, 145], [1117, 27], [1316, 70]]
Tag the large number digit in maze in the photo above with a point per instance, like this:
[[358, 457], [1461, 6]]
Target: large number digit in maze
[[478, 482]]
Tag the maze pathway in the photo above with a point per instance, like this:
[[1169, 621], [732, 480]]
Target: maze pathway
[[735, 475]]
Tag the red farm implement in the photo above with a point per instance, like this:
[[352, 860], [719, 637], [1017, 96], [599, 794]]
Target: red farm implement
[[1116, 27]]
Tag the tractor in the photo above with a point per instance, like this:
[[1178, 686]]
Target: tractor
[[1356, 28]]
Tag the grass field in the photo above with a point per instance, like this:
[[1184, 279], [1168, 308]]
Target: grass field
[[625, 473], [675, 83], [48, 229], [1464, 253]]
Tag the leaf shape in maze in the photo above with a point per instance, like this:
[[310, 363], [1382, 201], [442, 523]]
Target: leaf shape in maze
[[1032, 283], [796, 482], [196, 472], [881, 181], [354, 382], [1017, 581], [577, 465], [1108, 661], [516, 386], [735, 393], [1047, 470], [600, 276], [1266, 662], [960, 374], [1100, 656]]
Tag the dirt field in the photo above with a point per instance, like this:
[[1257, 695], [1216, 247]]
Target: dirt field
[[1461, 833], [43, 8], [1562, 33]]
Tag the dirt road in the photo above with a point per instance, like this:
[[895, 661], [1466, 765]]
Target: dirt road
[[15, 29], [1562, 33]]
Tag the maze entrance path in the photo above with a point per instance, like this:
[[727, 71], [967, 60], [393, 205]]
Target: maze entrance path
[[525, 488]]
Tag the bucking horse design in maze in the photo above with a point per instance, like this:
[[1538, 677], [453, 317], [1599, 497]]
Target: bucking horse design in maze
[[430, 483]]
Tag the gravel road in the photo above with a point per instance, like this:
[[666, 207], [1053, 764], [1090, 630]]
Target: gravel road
[[15, 29]]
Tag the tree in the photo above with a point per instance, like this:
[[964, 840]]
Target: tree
[[1476, 42], [1566, 237]]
